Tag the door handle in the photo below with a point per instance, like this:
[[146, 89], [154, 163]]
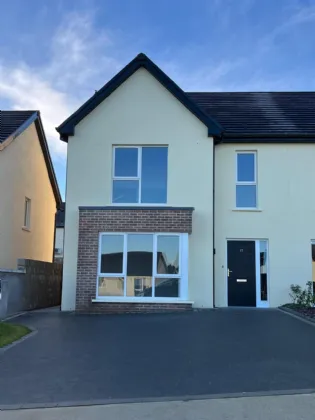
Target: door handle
[[229, 271]]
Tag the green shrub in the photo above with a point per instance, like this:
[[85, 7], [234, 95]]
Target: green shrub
[[302, 297]]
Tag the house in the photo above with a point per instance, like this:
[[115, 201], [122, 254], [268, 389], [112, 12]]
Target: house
[[29, 190], [59, 233], [220, 184]]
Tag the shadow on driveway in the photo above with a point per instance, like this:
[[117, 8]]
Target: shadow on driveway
[[76, 358]]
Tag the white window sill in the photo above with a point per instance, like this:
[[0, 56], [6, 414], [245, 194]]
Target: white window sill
[[141, 300], [246, 209], [26, 229]]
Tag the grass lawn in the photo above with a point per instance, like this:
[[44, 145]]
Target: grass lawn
[[11, 332]]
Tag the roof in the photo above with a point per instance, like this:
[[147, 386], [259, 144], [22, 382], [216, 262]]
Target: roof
[[13, 123], [140, 61], [60, 216], [229, 116], [260, 113]]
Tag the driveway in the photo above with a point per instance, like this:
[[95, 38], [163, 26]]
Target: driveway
[[77, 358]]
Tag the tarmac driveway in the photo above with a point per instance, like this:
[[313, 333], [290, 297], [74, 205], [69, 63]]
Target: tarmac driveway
[[77, 358]]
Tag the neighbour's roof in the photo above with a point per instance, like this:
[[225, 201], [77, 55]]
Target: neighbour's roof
[[60, 216], [260, 113], [13, 123]]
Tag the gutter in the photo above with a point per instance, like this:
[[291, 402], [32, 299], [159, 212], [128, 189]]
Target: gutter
[[213, 227]]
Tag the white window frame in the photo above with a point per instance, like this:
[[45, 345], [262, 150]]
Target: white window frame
[[134, 178], [246, 152], [27, 214], [182, 275]]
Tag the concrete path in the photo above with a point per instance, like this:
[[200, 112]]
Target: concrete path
[[294, 407]]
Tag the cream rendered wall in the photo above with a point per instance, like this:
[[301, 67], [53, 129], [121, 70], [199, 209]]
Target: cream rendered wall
[[142, 112], [23, 173], [286, 178]]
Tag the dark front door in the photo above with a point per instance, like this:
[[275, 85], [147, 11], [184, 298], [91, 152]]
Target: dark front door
[[241, 273]]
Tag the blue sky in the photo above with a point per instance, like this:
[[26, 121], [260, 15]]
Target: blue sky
[[55, 54]]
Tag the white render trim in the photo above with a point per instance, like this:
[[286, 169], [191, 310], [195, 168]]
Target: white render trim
[[140, 300]]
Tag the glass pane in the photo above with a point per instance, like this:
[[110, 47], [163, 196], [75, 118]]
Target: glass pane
[[246, 196], [166, 288], [167, 254], [154, 175], [126, 161], [125, 191], [246, 167], [263, 271], [112, 247], [139, 286], [139, 255], [111, 286]]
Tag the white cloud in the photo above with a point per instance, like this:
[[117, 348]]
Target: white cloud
[[79, 63]]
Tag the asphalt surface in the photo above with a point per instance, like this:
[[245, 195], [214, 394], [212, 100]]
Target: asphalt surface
[[110, 358]]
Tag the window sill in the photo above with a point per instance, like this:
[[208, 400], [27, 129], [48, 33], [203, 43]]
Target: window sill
[[247, 209], [26, 229], [141, 300]]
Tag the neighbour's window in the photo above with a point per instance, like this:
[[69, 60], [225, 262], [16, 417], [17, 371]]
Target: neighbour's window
[[27, 213], [246, 180], [140, 265], [140, 175]]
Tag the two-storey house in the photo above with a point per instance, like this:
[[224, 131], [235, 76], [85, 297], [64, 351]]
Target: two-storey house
[[181, 199]]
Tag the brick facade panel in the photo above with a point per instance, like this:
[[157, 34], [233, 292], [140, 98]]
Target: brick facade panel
[[94, 221]]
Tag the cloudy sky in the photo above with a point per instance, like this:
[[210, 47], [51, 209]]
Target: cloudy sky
[[55, 54]]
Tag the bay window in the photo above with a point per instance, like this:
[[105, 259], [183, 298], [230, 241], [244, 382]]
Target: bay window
[[142, 266]]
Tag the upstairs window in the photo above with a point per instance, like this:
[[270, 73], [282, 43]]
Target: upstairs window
[[140, 175], [246, 180]]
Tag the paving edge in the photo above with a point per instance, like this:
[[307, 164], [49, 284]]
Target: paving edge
[[297, 315], [184, 398], [15, 343]]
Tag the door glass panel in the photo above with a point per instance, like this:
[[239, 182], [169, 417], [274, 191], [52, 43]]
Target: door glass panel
[[112, 248], [167, 254], [263, 271], [139, 265], [110, 286]]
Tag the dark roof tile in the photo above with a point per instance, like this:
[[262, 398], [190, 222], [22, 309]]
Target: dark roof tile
[[10, 121], [260, 113]]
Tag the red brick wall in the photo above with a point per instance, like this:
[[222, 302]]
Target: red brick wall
[[95, 220]]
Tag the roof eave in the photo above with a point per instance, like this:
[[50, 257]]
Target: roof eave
[[48, 161]]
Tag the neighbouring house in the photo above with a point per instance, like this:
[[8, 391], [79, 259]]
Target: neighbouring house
[[59, 233], [218, 184], [29, 190]]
